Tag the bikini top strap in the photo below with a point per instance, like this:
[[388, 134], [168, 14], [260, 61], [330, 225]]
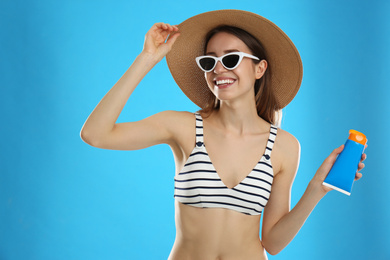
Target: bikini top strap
[[271, 140], [199, 130]]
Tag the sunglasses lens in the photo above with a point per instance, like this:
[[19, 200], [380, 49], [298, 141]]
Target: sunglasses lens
[[231, 61], [207, 63]]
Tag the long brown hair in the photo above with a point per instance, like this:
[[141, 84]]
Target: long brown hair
[[265, 100]]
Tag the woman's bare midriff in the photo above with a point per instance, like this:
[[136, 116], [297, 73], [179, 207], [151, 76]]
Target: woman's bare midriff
[[216, 234]]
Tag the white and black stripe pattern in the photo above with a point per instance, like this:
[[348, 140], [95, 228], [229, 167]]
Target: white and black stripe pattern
[[199, 185]]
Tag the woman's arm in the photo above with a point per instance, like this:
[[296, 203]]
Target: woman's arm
[[280, 225], [101, 130]]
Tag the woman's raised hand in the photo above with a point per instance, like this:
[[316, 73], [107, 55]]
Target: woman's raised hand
[[156, 42]]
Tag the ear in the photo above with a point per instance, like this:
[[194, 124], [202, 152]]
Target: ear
[[261, 67]]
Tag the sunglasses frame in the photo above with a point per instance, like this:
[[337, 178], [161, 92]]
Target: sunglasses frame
[[240, 54]]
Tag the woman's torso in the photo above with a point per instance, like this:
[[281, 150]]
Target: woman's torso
[[217, 233]]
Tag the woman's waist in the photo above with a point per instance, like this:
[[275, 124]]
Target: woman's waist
[[217, 236], [206, 249]]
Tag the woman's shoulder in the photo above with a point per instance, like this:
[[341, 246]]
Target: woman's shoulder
[[286, 140], [287, 150], [181, 128], [177, 122], [176, 117]]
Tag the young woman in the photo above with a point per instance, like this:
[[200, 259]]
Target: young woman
[[241, 70]]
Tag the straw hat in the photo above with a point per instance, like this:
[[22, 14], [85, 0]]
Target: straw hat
[[282, 56]]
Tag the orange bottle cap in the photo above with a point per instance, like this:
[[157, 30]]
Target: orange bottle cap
[[357, 137]]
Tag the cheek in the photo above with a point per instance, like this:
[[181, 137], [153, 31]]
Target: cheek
[[246, 74]]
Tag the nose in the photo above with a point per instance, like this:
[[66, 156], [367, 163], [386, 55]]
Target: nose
[[219, 68]]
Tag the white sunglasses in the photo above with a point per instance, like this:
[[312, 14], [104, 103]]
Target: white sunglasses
[[230, 61]]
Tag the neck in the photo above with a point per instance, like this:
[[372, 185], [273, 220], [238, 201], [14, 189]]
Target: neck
[[239, 117]]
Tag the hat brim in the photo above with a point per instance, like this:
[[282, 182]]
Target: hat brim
[[282, 55]]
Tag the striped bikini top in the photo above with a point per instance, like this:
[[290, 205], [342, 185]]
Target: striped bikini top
[[198, 183]]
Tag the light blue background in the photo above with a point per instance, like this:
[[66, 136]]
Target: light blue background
[[62, 199]]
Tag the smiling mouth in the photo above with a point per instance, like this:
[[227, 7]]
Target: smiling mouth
[[223, 82]]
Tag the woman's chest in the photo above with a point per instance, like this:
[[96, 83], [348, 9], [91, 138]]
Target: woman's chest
[[234, 157]]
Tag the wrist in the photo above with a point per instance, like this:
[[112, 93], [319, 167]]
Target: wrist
[[155, 57], [149, 58], [316, 190]]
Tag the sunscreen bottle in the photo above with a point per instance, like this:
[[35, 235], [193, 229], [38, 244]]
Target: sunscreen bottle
[[342, 174]]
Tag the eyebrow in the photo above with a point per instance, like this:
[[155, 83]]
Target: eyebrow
[[226, 51]]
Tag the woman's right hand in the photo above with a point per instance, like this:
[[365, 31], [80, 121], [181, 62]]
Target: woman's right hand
[[156, 42]]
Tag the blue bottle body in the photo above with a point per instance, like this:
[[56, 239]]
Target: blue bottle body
[[342, 174]]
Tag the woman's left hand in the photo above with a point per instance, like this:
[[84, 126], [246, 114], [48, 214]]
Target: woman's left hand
[[324, 169]]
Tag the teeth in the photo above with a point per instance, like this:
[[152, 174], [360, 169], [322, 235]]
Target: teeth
[[224, 81]]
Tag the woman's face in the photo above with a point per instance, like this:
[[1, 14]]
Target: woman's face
[[237, 84]]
